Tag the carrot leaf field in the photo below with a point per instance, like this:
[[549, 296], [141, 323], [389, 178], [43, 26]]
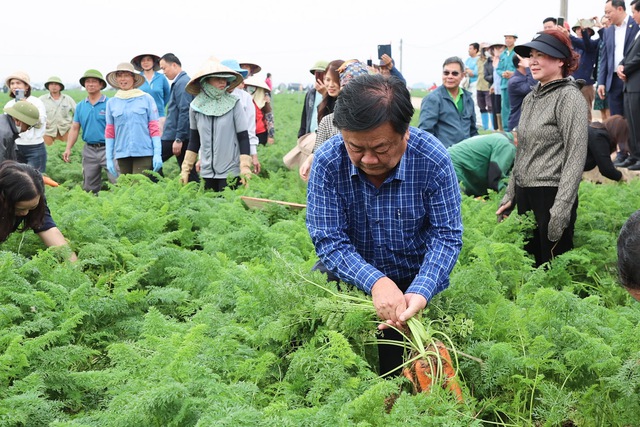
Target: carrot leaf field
[[187, 308]]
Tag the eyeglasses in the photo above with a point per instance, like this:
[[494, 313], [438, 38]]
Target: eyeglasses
[[453, 73]]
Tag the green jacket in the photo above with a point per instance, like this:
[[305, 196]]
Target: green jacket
[[482, 162]]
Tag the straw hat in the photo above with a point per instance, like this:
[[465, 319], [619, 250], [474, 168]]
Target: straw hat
[[24, 111], [138, 80], [253, 68], [213, 68], [257, 82], [19, 75], [95, 74], [53, 79], [137, 59]]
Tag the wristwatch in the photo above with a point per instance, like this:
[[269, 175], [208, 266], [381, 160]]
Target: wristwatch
[[179, 140]]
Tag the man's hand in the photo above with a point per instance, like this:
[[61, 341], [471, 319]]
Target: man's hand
[[601, 93], [415, 303], [507, 74], [320, 88], [66, 156], [389, 302], [620, 73], [176, 148]]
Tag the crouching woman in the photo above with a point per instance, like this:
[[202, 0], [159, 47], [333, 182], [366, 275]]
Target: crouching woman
[[23, 205]]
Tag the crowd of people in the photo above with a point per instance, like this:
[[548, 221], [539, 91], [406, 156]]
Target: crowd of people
[[384, 198]]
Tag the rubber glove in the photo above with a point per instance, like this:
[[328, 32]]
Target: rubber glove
[[245, 169], [157, 153], [111, 167], [190, 158]]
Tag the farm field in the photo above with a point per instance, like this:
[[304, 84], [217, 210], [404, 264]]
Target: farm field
[[186, 308]]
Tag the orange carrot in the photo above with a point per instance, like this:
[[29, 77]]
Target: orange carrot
[[423, 371], [48, 181]]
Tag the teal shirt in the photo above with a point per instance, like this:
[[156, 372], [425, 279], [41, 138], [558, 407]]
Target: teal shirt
[[482, 162], [505, 64]]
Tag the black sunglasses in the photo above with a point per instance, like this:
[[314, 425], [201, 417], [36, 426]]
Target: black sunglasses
[[454, 73]]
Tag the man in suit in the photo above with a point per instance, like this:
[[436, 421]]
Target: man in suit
[[629, 72], [617, 41], [176, 133]]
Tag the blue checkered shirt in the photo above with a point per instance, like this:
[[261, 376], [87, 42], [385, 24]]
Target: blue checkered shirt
[[409, 229]]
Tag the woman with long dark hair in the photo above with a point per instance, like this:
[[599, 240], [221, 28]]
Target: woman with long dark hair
[[604, 138], [23, 205], [332, 85], [552, 146]]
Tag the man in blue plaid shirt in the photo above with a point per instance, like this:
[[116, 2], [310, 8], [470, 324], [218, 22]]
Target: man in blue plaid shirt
[[383, 205]]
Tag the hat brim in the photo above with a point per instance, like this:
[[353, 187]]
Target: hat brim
[[137, 59], [46, 85], [255, 69], [13, 112], [524, 50], [16, 77], [138, 80], [84, 78], [212, 68], [256, 82]]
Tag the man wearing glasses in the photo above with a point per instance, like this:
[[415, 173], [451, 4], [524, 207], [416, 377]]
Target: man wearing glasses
[[448, 112]]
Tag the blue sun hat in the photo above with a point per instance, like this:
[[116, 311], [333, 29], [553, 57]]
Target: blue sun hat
[[235, 66]]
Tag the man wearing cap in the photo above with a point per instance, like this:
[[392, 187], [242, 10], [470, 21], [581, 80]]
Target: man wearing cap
[[448, 112], [506, 69], [90, 117], [483, 162], [587, 48], [18, 118], [313, 97], [60, 109], [616, 42]]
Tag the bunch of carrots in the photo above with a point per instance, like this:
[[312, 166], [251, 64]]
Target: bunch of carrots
[[429, 361]]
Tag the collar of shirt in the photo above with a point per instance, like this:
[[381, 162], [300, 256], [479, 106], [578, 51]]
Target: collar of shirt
[[457, 100]]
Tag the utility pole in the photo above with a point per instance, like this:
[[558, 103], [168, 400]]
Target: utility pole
[[564, 9]]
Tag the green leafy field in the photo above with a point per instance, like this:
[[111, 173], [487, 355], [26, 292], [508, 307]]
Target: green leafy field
[[187, 309]]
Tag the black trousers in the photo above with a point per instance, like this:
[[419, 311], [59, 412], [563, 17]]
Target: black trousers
[[219, 184], [539, 200], [632, 114], [167, 152]]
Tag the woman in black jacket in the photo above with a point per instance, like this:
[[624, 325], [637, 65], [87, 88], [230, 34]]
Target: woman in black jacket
[[603, 139]]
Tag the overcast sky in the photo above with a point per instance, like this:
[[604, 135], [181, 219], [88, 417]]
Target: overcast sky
[[285, 37]]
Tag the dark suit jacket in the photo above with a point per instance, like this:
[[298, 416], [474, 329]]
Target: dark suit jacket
[[631, 63], [607, 66]]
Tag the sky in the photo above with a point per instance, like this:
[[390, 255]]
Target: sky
[[284, 37]]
